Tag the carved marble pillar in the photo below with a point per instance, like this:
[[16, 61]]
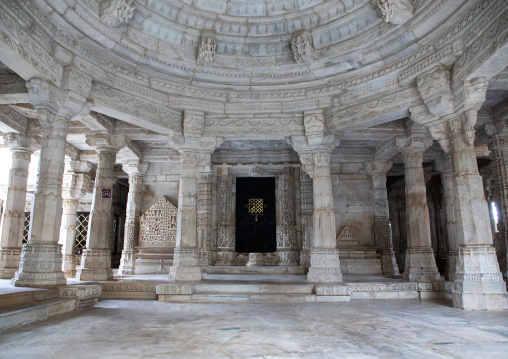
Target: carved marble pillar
[[204, 223], [287, 246], [96, 258], [136, 172], [307, 206], [324, 260], [395, 222], [14, 207], [186, 260], [448, 203], [41, 257], [225, 229], [478, 281], [420, 261], [382, 230], [75, 185], [499, 157]]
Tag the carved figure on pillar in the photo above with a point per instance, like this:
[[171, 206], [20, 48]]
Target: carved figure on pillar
[[225, 228], [21, 148], [287, 246], [41, 258]]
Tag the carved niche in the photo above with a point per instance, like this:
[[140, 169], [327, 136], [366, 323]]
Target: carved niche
[[158, 224], [302, 49], [207, 49], [347, 238]]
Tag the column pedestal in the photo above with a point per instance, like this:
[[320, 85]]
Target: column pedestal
[[185, 266]]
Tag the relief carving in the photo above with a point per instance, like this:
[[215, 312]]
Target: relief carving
[[158, 224]]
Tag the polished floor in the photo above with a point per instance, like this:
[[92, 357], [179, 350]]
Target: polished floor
[[360, 329]]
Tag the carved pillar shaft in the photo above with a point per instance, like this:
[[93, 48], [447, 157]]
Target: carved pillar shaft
[[131, 233], [204, 217], [186, 260], [225, 230], [41, 258], [382, 233], [478, 281], [96, 258], [450, 234], [307, 205], [499, 156], [420, 261], [287, 246], [14, 213], [68, 236], [325, 264]]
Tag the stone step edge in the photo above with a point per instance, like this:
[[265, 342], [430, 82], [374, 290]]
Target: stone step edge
[[28, 314], [10, 300]]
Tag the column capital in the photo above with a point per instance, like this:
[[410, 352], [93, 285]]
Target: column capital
[[65, 101], [103, 142], [135, 168], [20, 143], [435, 90]]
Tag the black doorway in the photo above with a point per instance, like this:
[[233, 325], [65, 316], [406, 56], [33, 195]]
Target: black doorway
[[255, 215]]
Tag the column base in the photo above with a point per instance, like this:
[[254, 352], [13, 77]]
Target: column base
[[389, 263], [40, 266], [421, 265], [225, 257], [95, 265], [185, 266], [324, 266], [305, 258], [255, 260], [479, 284], [69, 265], [288, 257], [9, 262], [127, 262]]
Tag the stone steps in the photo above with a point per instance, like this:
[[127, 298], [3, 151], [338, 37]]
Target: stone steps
[[253, 288], [30, 313], [28, 297], [263, 270]]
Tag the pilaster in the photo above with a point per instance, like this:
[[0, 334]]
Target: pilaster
[[14, 207], [307, 206], [96, 258], [420, 261], [225, 230], [136, 172], [382, 228], [41, 257]]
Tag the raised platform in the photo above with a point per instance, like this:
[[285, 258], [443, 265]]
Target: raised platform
[[266, 270]]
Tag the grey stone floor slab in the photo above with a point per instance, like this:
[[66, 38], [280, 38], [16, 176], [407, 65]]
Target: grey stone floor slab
[[360, 329]]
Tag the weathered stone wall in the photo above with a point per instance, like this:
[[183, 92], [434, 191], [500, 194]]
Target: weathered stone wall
[[353, 201], [161, 179]]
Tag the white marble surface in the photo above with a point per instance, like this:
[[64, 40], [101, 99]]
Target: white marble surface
[[361, 329]]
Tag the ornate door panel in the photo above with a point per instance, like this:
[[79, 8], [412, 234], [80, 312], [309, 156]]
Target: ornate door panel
[[255, 215]]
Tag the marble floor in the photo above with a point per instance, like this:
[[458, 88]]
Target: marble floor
[[360, 329]]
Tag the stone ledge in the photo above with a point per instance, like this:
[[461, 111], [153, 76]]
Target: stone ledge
[[85, 295], [174, 289]]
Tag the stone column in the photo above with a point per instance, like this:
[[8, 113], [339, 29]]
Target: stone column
[[204, 223], [186, 260], [76, 183], [287, 246], [499, 155], [448, 203], [41, 257], [136, 172], [96, 258], [420, 261], [314, 150], [225, 230], [14, 207], [307, 206], [382, 230]]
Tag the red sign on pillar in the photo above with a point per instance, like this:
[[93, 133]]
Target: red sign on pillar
[[106, 193]]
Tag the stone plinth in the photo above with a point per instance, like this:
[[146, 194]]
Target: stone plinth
[[255, 260]]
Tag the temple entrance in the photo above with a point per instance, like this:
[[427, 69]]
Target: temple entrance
[[255, 215]]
